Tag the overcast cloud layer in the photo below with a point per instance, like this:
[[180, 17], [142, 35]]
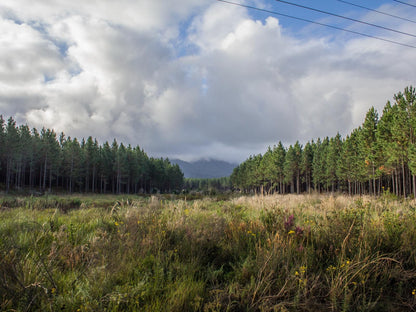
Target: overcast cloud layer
[[196, 79]]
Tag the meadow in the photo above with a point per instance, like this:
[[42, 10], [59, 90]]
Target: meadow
[[255, 253]]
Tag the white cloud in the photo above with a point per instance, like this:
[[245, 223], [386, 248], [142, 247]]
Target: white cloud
[[197, 79]]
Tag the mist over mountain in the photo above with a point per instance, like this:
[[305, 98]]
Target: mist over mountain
[[206, 168]]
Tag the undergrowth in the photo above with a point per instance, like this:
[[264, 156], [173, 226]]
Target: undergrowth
[[276, 253]]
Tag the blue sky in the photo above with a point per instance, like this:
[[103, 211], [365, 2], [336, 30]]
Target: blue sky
[[342, 8], [200, 78]]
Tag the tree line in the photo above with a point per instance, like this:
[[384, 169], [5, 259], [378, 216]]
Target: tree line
[[42, 161], [208, 185], [377, 157]]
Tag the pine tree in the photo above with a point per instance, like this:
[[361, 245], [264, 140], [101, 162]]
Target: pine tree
[[318, 165], [306, 165], [292, 167], [332, 157], [345, 165], [268, 171], [26, 152], [368, 146], [279, 156], [2, 141], [12, 150]]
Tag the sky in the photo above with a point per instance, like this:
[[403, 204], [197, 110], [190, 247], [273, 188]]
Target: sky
[[194, 79]]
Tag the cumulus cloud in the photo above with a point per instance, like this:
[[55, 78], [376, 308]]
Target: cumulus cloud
[[198, 79]]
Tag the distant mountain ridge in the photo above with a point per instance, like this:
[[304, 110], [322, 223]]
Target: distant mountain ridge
[[205, 169]]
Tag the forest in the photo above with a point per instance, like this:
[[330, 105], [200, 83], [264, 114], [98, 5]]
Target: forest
[[208, 185], [42, 162], [379, 156]]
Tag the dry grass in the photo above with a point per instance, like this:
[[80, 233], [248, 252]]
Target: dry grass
[[264, 253]]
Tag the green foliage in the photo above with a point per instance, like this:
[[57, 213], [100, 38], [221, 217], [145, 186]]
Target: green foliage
[[41, 163], [379, 155]]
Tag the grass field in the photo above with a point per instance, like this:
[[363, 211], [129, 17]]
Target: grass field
[[277, 253]]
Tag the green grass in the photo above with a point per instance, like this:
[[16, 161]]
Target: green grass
[[277, 253]]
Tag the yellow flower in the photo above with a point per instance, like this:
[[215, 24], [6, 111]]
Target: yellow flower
[[53, 290], [414, 292], [296, 273], [116, 223], [291, 232], [331, 268]]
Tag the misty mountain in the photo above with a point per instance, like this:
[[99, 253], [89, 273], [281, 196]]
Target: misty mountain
[[205, 168]]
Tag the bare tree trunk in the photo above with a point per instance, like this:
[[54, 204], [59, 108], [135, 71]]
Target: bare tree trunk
[[50, 180], [404, 180], [414, 185], [298, 183], [8, 170], [44, 172]]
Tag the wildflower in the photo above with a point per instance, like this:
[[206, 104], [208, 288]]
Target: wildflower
[[251, 233], [303, 269], [53, 290], [299, 230], [291, 232], [331, 268], [290, 221], [414, 292], [116, 223], [138, 221], [296, 273]]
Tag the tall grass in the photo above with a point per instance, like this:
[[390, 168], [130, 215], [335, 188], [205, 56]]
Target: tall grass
[[277, 253]]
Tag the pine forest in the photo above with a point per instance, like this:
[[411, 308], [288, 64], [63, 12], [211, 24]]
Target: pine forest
[[379, 156], [42, 162]]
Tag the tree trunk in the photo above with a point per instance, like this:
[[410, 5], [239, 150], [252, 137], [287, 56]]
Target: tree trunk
[[8, 170], [404, 180], [414, 185], [50, 180], [298, 183], [93, 179], [44, 172]]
